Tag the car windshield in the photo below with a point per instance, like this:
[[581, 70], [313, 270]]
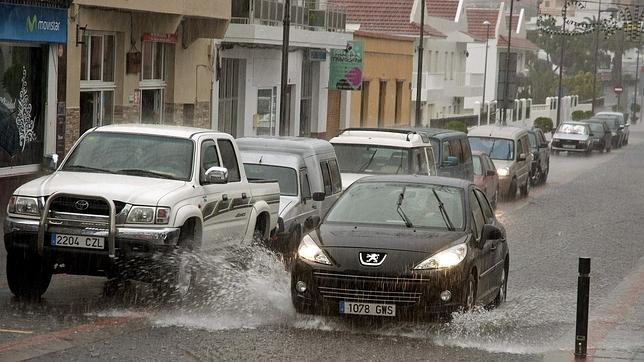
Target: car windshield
[[477, 165], [372, 159], [285, 176], [134, 155], [376, 203], [496, 148], [612, 121], [569, 128], [596, 128]]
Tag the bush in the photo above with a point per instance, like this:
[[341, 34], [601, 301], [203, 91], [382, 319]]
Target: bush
[[578, 115], [457, 126], [544, 123], [588, 114]]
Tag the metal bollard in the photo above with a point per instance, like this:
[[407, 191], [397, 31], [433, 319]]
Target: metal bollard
[[583, 296]]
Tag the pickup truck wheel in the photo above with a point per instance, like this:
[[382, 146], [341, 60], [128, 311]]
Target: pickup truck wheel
[[28, 275], [179, 275]]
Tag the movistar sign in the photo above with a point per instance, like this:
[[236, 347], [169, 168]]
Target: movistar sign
[[33, 24]]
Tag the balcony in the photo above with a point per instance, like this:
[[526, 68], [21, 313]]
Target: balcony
[[441, 85], [212, 9], [312, 26], [271, 13]]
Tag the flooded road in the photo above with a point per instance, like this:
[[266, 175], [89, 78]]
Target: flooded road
[[590, 207]]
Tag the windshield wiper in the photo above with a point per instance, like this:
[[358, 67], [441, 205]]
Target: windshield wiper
[[146, 173], [441, 207], [85, 168], [402, 214], [366, 165]]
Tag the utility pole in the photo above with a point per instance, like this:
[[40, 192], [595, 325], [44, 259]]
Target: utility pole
[[561, 60], [597, 28], [487, 41], [637, 84], [284, 82], [507, 69], [419, 75]]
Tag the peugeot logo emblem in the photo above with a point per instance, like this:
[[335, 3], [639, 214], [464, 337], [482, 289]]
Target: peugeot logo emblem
[[372, 259], [81, 205]]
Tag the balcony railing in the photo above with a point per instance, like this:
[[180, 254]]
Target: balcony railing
[[271, 12]]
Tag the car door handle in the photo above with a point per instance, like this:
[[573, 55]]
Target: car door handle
[[244, 196], [224, 197], [494, 246]]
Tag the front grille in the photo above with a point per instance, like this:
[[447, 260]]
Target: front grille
[[96, 207], [370, 289]]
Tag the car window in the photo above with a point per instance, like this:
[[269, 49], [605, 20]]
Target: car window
[[533, 141], [467, 151], [520, 147], [485, 205], [496, 148], [419, 162], [490, 164], [456, 149], [446, 151], [229, 159], [478, 167], [209, 157], [336, 180], [305, 186], [326, 178], [477, 216]]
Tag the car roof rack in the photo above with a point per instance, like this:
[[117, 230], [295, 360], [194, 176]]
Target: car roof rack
[[407, 132]]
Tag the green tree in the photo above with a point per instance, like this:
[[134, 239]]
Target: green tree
[[539, 83], [580, 84]]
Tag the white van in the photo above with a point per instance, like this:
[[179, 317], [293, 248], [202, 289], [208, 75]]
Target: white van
[[309, 177], [375, 151]]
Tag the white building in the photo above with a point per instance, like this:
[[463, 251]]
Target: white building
[[246, 95]]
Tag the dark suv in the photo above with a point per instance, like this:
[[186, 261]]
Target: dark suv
[[452, 152], [540, 157]]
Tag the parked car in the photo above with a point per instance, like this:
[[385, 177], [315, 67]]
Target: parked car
[[377, 151], [309, 178], [573, 137], [509, 148], [403, 246], [135, 193], [540, 149], [452, 152], [485, 176], [620, 125], [602, 137]]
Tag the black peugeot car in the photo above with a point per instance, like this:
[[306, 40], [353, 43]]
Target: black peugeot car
[[403, 246]]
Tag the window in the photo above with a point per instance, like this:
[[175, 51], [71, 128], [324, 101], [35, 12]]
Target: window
[[305, 186], [336, 180], [445, 66], [451, 66], [533, 141], [419, 162], [326, 178], [467, 151], [97, 84], [364, 104], [382, 96], [478, 166], [453, 148], [399, 100], [229, 159], [209, 157], [528, 108], [152, 84], [307, 96], [286, 177], [485, 205], [266, 111], [229, 97], [436, 62], [22, 104], [477, 216], [153, 62]]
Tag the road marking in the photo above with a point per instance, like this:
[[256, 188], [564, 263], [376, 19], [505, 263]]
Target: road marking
[[16, 331]]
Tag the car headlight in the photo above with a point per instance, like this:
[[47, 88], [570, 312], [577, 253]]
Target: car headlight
[[310, 251], [141, 215], [445, 259], [505, 171], [23, 206]]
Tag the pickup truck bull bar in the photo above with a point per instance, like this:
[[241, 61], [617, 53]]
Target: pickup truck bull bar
[[97, 221]]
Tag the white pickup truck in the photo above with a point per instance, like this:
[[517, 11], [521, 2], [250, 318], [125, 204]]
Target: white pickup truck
[[135, 192]]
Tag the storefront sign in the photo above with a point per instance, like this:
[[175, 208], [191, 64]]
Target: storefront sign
[[160, 38], [33, 23], [317, 55], [346, 67]]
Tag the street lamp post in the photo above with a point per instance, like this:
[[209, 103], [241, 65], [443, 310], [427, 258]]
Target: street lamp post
[[599, 14], [284, 76], [637, 85], [507, 68], [419, 76], [561, 60], [487, 41]]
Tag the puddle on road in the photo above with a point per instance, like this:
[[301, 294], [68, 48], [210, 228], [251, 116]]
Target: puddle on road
[[257, 294]]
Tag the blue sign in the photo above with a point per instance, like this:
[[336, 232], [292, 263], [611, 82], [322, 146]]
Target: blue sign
[[33, 24]]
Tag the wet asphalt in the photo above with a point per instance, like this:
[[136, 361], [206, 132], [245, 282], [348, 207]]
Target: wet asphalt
[[591, 207]]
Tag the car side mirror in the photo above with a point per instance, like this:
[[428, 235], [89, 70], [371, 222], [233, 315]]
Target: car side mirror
[[50, 162], [491, 232], [312, 222], [490, 173], [621, 127], [522, 157], [217, 175], [591, 135], [319, 196], [451, 161]]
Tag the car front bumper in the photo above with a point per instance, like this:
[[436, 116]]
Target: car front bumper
[[414, 296], [130, 242], [504, 184]]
